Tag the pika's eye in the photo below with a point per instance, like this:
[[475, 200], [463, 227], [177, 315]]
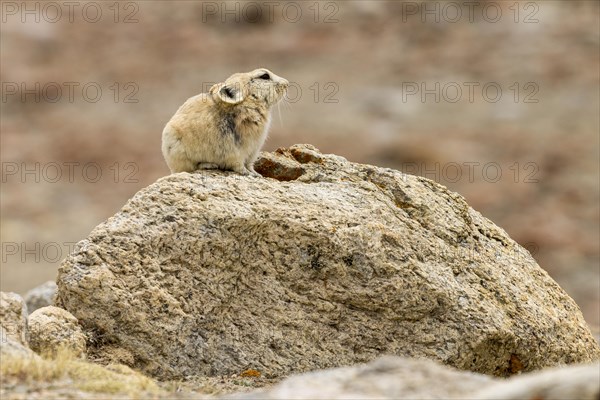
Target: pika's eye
[[265, 76]]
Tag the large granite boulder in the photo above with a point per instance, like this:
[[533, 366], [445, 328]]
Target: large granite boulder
[[328, 263]]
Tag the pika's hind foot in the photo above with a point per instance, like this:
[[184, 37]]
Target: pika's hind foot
[[206, 166], [243, 170]]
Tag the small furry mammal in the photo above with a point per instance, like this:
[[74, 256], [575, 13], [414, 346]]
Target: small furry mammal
[[226, 127]]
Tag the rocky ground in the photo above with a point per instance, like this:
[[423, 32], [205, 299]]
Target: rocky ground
[[323, 278], [356, 66]]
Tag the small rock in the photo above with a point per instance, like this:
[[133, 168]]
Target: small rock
[[13, 317], [304, 153], [574, 382], [9, 347], [278, 167], [52, 328], [41, 296]]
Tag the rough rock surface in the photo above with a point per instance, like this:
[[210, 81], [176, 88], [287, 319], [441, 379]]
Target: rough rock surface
[[405, 378], [10, 347], [385, 378], [14, 335], [40, 296], [334, 264], [13, 317], [51, 328]]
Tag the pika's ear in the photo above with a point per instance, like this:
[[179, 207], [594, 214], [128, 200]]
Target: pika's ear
[[228, 93]]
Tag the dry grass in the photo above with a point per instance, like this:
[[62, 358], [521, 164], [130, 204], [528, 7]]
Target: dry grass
[[52, 376], [77, 374]]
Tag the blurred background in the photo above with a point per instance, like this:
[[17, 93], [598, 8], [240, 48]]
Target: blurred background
[[499, 101]]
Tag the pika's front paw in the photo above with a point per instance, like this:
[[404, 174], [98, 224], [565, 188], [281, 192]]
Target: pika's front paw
[[252, 172]]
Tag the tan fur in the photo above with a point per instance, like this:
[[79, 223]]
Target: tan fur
[[226, 127]]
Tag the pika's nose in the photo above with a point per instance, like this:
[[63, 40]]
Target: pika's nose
[[285, 82]]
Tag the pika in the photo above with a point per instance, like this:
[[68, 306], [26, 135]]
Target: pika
[[226, 127]]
